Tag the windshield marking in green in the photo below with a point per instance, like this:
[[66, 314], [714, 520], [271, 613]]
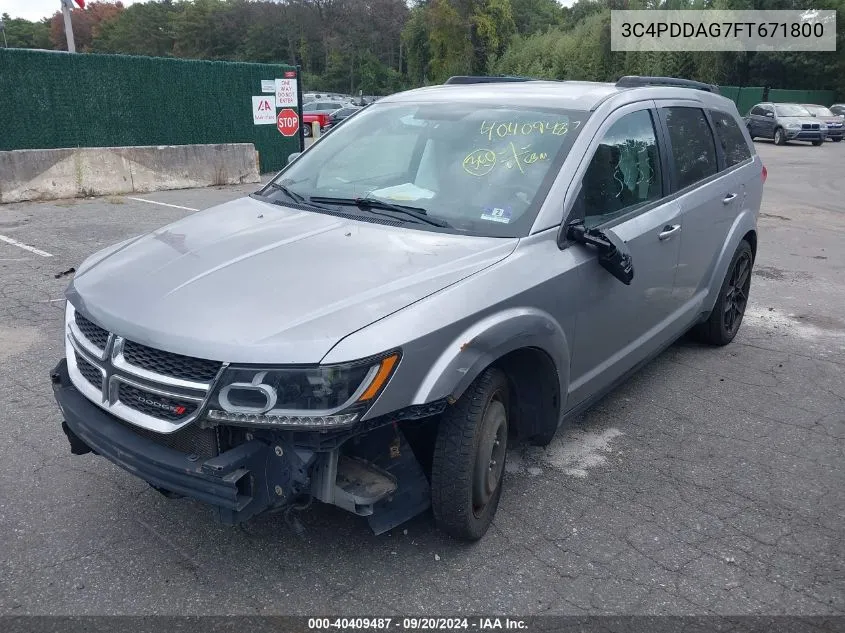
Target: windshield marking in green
[[504, 129], [481, 162]]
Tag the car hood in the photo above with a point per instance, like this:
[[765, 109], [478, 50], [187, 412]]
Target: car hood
[[253, 282]]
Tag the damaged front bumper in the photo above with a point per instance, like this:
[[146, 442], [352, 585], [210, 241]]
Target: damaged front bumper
[[376, 476]]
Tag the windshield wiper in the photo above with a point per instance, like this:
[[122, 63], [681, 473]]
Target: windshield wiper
[[371, 204], [296, 197]]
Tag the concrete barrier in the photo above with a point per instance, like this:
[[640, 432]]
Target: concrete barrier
[[50, 174]]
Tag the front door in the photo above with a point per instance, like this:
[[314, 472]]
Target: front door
[[623, 189], [767, 121]]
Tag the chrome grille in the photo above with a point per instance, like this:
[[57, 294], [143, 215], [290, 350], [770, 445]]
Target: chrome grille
[[175, 365], [147, 388], [89, 371], [154, 405], [93, 332]]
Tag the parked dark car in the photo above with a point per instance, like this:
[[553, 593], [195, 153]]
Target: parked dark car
[[835, 122], [838, 108], [339, 116], [784, 122]]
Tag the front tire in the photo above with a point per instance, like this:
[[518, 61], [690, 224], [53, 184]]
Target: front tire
[[306, 131], [780, 137], [722, 325], [469, 458], [817, 143], [837, 139]]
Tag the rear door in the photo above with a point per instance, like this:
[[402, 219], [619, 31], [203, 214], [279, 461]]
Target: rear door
[[707, 189], [623, 189]]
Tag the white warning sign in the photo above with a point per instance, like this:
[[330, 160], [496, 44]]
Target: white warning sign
[[264, 110], [286, 93]]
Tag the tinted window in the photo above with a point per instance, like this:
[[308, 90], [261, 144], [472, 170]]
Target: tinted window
[[693, 148], [758, 110], [730, 136], [624, 172]]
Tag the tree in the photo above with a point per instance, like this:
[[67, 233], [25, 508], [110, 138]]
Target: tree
[[141, 29], [534, 16], [25, 34], [86, 23]]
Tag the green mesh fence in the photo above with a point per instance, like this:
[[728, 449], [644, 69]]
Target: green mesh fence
[[744, 97], [819, 97], [55, 99]]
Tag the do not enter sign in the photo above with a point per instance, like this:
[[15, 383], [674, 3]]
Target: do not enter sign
[[288, 122]]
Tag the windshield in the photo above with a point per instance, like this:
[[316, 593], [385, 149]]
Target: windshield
[[480, 169], [791, 109], [819, 110]]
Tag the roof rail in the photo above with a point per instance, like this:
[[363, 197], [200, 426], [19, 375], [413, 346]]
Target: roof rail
[[467, 79], [635, 81]]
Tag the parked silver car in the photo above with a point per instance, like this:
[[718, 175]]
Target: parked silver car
[[455, 269], [835, 122]]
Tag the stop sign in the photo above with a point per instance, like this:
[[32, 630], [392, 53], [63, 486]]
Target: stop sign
[[288, 122]]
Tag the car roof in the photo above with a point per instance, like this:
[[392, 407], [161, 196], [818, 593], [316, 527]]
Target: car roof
[[574, 95]]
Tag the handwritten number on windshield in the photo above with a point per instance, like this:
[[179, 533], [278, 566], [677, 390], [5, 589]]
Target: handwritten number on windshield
[[504, 129], [481, 162]]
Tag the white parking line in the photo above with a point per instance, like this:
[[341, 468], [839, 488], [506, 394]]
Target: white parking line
[[25, 247], [164, 204]]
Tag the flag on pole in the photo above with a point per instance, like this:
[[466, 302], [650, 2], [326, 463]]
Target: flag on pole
[[81, 3]]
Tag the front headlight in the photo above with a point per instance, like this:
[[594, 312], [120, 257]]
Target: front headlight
[[321, 397], [793, 126]]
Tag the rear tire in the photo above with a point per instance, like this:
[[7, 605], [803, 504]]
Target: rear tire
[[722, 325], [469, 458], [780, 137]]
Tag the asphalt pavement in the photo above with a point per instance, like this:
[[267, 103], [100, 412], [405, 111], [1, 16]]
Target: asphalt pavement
[[712, 482]]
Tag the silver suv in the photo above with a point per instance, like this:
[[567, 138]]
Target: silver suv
[[455, 269]]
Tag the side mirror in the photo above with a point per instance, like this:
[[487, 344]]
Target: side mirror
[[770, 114], [614, 255], [293, 157]]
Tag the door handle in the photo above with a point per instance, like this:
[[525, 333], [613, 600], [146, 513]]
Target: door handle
[[728, 198], [668, 231]]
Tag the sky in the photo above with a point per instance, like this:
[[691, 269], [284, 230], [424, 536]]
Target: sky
[[37, 9]]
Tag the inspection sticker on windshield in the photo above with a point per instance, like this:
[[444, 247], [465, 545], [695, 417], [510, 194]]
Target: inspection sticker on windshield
[[495, 214]]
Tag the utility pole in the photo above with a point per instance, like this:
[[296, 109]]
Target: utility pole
[[3, 29], [66, 7]]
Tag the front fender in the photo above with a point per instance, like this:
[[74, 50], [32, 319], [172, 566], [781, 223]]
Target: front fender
[[487, 340]]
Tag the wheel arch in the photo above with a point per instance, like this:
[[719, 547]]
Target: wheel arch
[[529, 346], [744, 228], [751, 238]]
